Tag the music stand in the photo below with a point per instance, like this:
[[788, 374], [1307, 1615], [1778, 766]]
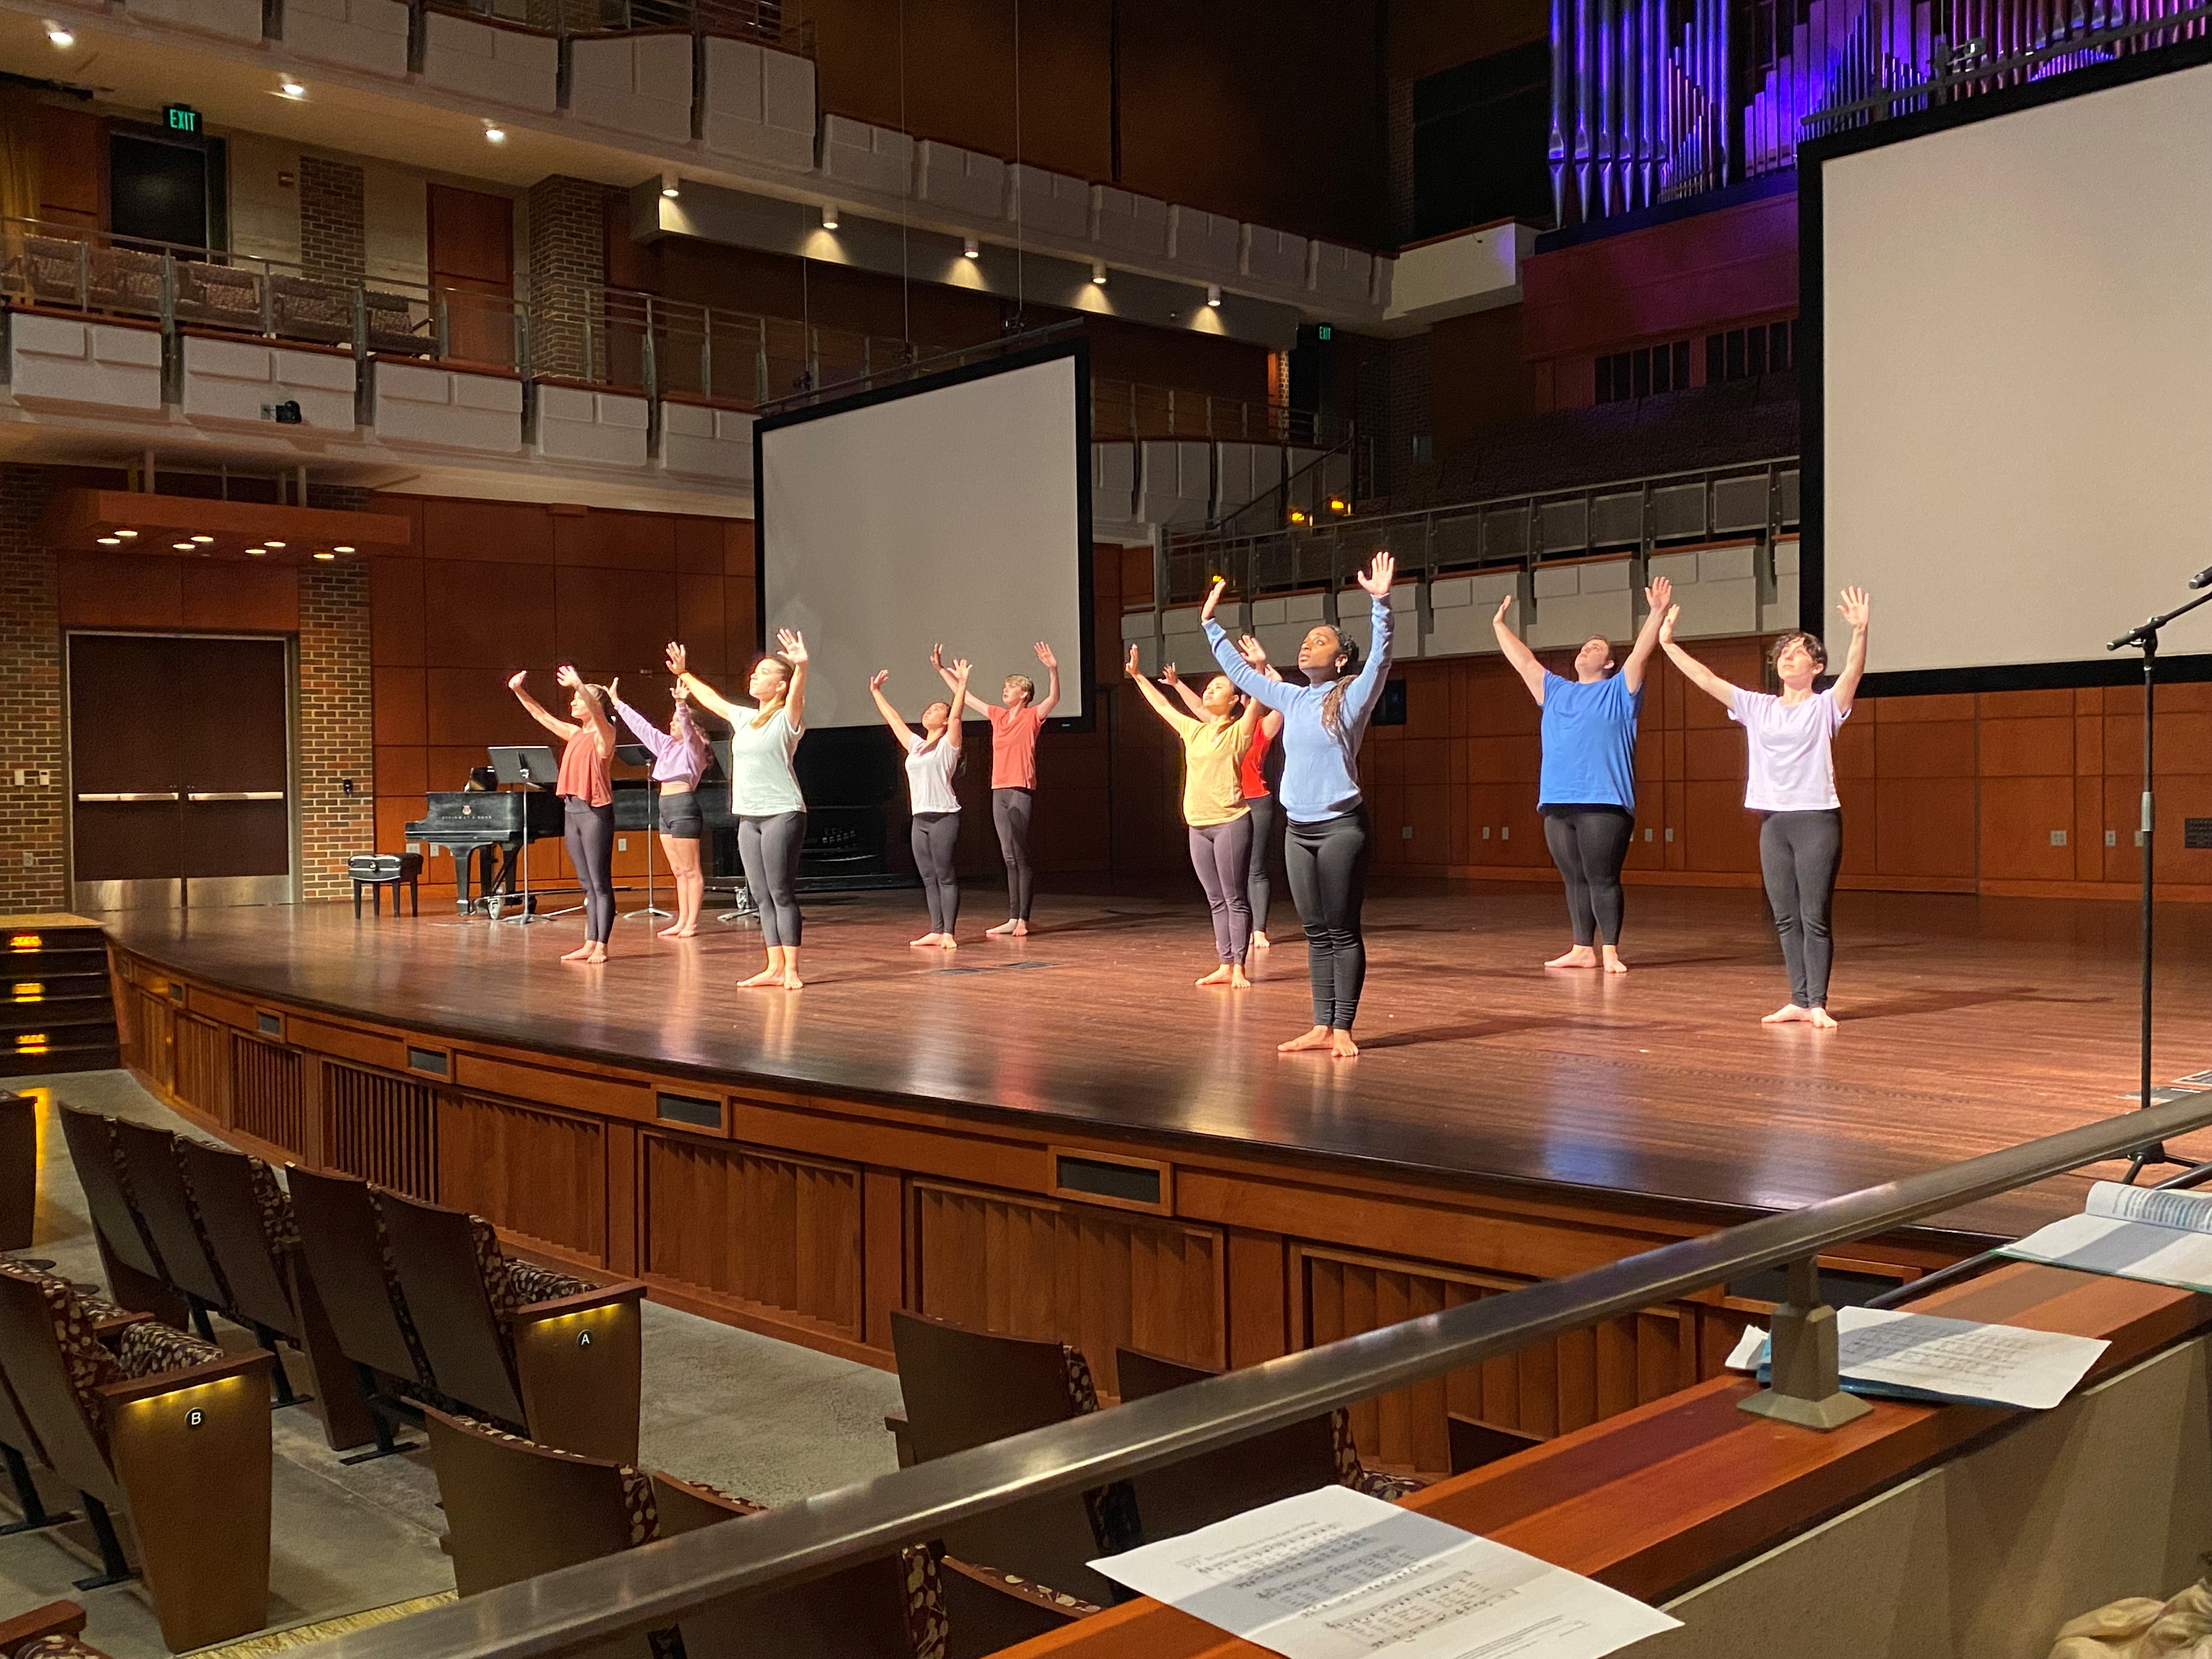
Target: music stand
[[636, 754], [525, 766], [739, 893]]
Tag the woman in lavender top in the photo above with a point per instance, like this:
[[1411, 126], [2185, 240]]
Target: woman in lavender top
[[1793, 781], [679, 759]]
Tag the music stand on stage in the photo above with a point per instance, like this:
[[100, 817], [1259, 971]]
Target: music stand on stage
[[636, 754], [526, 766]]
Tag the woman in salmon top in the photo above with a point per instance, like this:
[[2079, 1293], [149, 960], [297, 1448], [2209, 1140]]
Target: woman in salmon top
[[1015, 719], [587, 798]]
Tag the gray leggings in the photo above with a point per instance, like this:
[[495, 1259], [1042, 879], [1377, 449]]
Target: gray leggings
[[936, 842], [1221, 853], [1010, 812], [1327, 863], [768, 848], [1799, 853], [589, 833], [1266, 815]]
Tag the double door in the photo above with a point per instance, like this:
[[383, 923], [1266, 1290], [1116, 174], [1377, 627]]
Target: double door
[[180, 770]]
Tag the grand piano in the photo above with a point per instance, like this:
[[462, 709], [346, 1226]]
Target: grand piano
[[486, 831]]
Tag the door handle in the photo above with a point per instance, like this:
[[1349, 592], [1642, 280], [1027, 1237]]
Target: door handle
[[130, 795], [234, 795]]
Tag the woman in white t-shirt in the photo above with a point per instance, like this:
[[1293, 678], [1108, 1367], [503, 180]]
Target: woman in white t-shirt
[[1793, 781], [932, 761]]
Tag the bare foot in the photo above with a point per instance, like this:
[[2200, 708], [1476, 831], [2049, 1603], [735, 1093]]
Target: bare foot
[[771, 974], [1260, 942], [1613, 964], [1820, 1019], [1002, 929], [678, 930], [927, 938], [1789, 1014], [580, 953], [1219, 976], [598, 955], [791, 980], [1236, 980], [946, 942], [1581, 957], [1341, 1047], [1319, 1037]]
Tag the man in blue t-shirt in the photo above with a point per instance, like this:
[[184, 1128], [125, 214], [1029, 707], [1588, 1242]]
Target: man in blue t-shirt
[[1587, 789]]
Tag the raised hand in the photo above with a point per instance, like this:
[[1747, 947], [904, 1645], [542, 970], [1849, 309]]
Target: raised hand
[[881, 675], [1045, 656], [614, 686], [1213, 599], [680, 692], [936, 658], [1377, 577], [676, 661], [1252, 651], [961, 668], [1503, 605], [1168, 677], [566, 677], [1130, 667], [1659, 595], [791, 646], [515, 681], [1853, 608], [1667, 627]]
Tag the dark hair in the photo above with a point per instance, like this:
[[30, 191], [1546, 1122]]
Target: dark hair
[[1332, 706], [606, 699], [782, 662], [1813, 648], [1612, 661]]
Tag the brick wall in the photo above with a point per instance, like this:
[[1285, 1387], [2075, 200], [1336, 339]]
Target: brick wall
[[32, 874], [333, 234], [567, 235], [336, 740]]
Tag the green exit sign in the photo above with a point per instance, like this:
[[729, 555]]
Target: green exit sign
[[1324, 333], [181, 117]]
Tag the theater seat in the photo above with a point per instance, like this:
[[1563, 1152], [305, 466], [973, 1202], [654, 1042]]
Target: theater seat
[[18, 1444], [52, 1632], [540, 1352], [127, 1254], [155, 1181], [164, 1427], [516, 1509]]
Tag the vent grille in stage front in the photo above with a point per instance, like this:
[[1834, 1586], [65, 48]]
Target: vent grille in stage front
[[384, 1130], [265, 1094]]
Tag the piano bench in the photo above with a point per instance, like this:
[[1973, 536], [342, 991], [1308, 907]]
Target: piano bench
[[378, 870]]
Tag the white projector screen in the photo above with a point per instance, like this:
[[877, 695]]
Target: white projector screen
[[2016, 357], [954, 514]]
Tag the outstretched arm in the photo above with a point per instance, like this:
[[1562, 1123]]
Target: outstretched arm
[[595, 716], [1241, 675], [1720, 691], [961, 669], [900, 729], [559, 728], [642, 728], [1854, 611], [976, 705], [1367, 685], [1523, 659], [699, 690], [1167, 711], [1191, 700], [793, 647], [1656, 599], [1052, 688]]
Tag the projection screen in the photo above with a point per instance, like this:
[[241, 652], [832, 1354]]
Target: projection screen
[[954, 511], [2015, 351]]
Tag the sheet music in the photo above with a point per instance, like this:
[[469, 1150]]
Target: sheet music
[[1956, 1358], [1334, 1574], [2129, 1233]]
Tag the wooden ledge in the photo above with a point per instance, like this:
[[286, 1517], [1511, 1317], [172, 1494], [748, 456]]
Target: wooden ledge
[[454, 365], [248, 337], [73, 314], [1661, 1499]]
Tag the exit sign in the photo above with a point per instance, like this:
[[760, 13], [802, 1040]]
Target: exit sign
[[181, 117], [1324, 333]]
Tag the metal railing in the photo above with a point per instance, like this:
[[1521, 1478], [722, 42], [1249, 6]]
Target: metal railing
[[1131, 408], [1518, 531], [761, 21], [656, 1585]]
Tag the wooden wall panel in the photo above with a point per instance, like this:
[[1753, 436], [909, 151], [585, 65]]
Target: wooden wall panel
[[1095, 1278], [539, 1172], [202, 1066], [265, 1098], [381, 1127], [762, 1228]]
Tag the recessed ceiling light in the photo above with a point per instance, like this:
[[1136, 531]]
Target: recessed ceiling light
[[182, 547], [1214, 295], [327, 557], [111, 541], [494, 135], [255, 552], [292, 89], [276, 544], [829, 216], [203, 538], [59, 36], [126, 534], [971, 249], [340, 549], [1098, 274]]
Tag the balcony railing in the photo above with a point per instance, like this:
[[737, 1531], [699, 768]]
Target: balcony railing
[[743, 20]]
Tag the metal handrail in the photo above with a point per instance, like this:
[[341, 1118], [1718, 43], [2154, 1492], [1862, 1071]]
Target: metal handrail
[[656, 1585]]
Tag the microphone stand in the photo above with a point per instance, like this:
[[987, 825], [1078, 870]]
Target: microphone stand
[[2145, 638]]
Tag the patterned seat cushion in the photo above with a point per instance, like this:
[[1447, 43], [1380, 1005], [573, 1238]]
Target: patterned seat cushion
[[149, 1348], [513, 1286], [279, 1225], [59, 1647], [1352, 1472]]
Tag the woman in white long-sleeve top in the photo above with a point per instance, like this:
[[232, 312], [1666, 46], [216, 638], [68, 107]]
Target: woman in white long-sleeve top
[[1326, 846]]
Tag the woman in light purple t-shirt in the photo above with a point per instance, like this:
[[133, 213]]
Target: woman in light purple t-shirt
[[1793, 781]]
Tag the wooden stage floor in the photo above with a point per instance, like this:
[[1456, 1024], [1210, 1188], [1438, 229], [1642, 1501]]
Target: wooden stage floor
[[1968, 1024]]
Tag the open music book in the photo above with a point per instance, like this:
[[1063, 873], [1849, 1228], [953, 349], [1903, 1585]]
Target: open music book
[[2131, 1232]]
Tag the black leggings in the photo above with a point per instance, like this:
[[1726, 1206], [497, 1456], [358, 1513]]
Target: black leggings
[[1328, 865], [768, 848], [1590, 844], [1222, 855], [936, 840], [1267, 815], [1799, 853], [589, 831], [1010, 811]]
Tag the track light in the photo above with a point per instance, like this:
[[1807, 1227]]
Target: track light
[[669, 186], [972, 249], [1214, 295], [829, 216], [59, 36], [1098, 273]]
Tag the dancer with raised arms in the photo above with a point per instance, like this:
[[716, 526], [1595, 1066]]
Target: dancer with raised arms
[[933, 759], [1793, 781], [1258, 775], [1326, 846], [1015, 719], [1215, 739], [1586, 789], [587, 798], [680, 755], [764, 791]]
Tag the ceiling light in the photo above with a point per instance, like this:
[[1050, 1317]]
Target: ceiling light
[[669, 186], [829, 216], [292, 89], [203, 538], [327, 557], [126, 534], [60, 36], [255, 552], [182, 547], [111, 541], [1098, 274], [336, 548], [276, 544], [1213, 294], [970, 248], [494, 135]]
